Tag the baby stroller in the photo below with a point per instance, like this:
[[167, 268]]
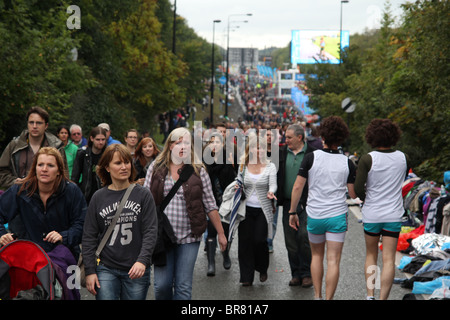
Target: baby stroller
[[26, 272]]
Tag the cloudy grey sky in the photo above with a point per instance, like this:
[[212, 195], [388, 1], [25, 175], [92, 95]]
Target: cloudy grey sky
[[272, 21]]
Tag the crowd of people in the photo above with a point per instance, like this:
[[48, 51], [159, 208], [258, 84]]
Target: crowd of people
[[66, 190]]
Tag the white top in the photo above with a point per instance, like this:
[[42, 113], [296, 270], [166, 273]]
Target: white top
[[266, 182], [253, 201], [384, 202], [327, 185]]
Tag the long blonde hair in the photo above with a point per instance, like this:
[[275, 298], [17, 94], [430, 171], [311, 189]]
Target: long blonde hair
[[253, 139], [164, 158]]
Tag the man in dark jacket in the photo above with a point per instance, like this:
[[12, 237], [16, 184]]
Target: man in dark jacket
[[83, 172], [297, 243]]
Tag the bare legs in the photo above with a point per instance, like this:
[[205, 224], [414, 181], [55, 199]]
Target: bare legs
[[388, 270], [334, 251]]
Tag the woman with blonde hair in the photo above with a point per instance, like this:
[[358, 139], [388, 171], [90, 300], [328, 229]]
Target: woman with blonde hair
[[123, 271], [185, 213], [259, 177], [46, 207], [146, 152]]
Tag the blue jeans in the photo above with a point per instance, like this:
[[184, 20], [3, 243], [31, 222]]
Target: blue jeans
[[174, 280], [116, 284]]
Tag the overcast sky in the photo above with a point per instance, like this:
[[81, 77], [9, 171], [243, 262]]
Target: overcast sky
[[272, 21]]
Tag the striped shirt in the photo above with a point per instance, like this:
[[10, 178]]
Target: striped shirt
[[176, 209]]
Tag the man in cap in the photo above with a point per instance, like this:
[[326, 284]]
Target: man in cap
[[109, 139]]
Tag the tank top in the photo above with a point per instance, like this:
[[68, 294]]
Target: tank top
[[384, 202]]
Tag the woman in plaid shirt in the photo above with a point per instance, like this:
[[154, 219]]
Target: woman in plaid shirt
[[174, 279]]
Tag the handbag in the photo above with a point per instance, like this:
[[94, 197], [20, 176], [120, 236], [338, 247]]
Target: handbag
[[166, 237], [105, 237]]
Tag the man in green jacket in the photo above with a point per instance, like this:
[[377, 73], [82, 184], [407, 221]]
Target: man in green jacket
[[18, 155]]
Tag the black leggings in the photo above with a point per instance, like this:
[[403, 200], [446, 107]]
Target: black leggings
[[212, 232], [253, 250]]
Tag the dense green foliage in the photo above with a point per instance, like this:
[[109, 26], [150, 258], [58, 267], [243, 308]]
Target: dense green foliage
[[126, 72]]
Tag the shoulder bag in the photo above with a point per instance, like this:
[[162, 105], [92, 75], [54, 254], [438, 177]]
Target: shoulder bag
[[106, 235], [166, 237]]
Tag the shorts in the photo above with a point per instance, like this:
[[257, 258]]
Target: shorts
[[328, 229], [388, 229]]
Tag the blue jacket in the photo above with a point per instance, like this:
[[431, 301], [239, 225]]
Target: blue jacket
[[111, 141], [65, 213]]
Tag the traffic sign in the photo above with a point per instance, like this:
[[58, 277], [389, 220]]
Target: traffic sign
[[348, 105]]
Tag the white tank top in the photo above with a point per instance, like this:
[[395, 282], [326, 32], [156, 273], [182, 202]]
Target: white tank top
[[327, 185], [384, 202]]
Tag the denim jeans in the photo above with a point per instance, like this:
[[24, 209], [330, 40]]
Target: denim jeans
[[174, 280], [116, 284], [297, 243]]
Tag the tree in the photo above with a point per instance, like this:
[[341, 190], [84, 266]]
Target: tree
[[36, 63], [422, 81]]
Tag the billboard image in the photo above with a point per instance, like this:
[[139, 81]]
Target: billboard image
[[317, 46]]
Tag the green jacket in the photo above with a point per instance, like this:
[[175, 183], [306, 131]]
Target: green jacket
[[71, 152]]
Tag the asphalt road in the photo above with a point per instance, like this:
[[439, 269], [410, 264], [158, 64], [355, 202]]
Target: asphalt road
[[225, 284]]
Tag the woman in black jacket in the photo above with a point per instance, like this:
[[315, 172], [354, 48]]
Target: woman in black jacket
[[221, 174], [46, 208]]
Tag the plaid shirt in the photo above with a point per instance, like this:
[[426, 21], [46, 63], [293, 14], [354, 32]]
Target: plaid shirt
[[176, 209]]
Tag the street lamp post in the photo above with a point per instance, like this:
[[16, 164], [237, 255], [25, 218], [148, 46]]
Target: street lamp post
[[340, 33], [212, 77], [174, 25], [228, 59]]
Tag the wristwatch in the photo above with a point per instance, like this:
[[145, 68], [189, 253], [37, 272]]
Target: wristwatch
[[292, 213]]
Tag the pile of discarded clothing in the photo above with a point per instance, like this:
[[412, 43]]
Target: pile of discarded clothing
[[429, 266], [425, 240], [426, 204]]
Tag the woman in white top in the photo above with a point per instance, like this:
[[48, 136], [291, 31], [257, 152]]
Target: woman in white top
[[259, 177], [379, 181], [329, 174]]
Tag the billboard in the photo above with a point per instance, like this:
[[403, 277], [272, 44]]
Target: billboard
[[317, 46]]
